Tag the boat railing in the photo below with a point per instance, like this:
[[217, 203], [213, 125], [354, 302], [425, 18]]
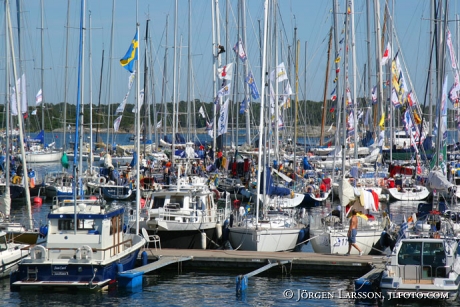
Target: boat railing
[[190, 215], [39, 252]]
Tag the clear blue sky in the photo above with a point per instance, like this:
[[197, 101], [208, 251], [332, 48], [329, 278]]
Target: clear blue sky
[[313, 19]]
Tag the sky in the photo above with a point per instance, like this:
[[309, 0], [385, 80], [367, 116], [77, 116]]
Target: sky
[[312, 18]]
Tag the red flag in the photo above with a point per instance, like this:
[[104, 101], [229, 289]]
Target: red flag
[[386, 55]]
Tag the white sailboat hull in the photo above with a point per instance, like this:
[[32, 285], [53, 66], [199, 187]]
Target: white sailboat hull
[[332, 241], [415, 193], [43, 156], [263, 240]]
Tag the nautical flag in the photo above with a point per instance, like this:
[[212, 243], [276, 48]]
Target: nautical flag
[[386, 55], [453, 93], [349, 102], [382, 121], [209, 128], [395, 99], [279, 73], [225, 72], [34, 112], [141, 101], [159, 124], [239, 50], [23, 95], [451, 50], [337, 60], [224, 91], [222, 124], [201, 111], [402, 234], [14, 106], [38, 97], [252, 86], [116, 123], [243, 106], [411, 99], [374, 95], [351, 124], [333, 95], [131, 55], [285, 99]]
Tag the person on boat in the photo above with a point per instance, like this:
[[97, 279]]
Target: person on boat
[[352, 232]]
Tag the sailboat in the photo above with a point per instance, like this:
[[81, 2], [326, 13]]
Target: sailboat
[[16, 231], [276, 231], [86, 246]]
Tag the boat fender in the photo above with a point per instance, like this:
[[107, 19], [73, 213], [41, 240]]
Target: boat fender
[[86, 252], [230, 224], [101, 180], [219, 230], [38, 252], [216, 194], [203, 240]]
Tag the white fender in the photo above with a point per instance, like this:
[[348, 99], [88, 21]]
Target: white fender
[[101, 180]]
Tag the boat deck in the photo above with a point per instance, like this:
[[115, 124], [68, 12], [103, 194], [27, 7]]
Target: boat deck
[[235, 259]]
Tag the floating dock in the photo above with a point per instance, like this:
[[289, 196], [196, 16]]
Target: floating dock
[[249, 260]]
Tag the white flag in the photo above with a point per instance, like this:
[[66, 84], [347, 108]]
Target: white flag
[[116, 123], [201, 110], [24, 108], [14, 106], [287, 93], [34, 112], [141, 101], [281, 73], [210, 128], [223, 119], [159, 124], [38, 97], [225, 72], [386, 55]]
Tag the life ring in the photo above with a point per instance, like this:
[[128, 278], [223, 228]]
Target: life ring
[[17, 179], [38, 252], [101, 180], [309, 189], [216, 194]]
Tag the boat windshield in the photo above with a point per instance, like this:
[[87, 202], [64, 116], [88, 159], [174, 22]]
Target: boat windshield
[[410, 253]]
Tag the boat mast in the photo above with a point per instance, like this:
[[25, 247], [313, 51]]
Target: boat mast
[[163, 88], [6, 199], [77, 123], [354, 93], [42, 70], [246, 72], [20, 123], [66, 80], [296, 101], [90, 55], [379, 57], [326, 81], [109, 102], [138, 126], [368, 33], [262, 102], [189, 72], [174, 87]]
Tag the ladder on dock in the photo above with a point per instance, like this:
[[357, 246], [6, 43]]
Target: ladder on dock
[[242, 280]]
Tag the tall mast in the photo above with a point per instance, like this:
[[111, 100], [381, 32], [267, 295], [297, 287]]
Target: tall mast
[[138, 125], [109, 102], [42, 70], [163, 88], [66, 78], [189, 72], [326, 81], [174, 86], [90, 55], [262, 102], [296, 114], [379, 57], [246, 72], [20, 119], [354, 93], [368, 42]]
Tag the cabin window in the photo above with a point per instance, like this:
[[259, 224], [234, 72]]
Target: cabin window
[[158, 202], [434, 256], [85, 224], [410, 253], [3, 245], [65, 224]]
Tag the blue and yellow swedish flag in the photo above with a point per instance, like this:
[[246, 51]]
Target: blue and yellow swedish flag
[[131, 55]]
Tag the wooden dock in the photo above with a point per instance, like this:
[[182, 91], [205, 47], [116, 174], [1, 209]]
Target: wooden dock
[[248, 260]]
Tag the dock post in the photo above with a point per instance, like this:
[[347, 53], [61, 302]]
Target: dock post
[[241, 283]]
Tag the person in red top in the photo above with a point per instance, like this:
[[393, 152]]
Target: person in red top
[[322, 187]]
